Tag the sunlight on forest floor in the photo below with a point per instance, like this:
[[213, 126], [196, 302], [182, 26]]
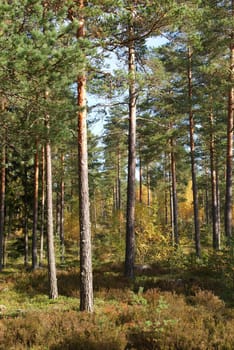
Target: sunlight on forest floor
[[182, 308]]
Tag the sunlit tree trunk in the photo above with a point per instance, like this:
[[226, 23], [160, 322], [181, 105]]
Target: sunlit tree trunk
[[61, 219], [174, 195], [42, 205], [2, 204], [35, 208], [58, 214], [118, 181], [229, 156], [148, 186], [25, 231], [130, 214], [25, 219], [140, 181], [86, 276], [49, 209], [192, 155], [215, 216]]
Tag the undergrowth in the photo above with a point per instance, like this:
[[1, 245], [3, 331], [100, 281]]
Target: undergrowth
[[188, 308]]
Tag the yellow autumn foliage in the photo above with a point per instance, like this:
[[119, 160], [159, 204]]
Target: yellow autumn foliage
[[185, 208], [151, 243]]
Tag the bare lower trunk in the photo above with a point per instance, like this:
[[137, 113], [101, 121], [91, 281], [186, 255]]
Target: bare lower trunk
[[118, 181], [140, 180], [192, 155], [50, 231], [86, 287], [61, 219], [58, 213], [130, 214], [86, 275], [174, 195], [2, 205], [25, 230], [228, 199], [35, 209], [42, 205], [215, 216], [148, 186]]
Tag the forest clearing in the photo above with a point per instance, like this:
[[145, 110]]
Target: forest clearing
[[116, 174]]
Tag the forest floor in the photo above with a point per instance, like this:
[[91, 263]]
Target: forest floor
[[185, 306]]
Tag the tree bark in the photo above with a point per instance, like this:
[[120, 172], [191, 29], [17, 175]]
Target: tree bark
[[61, 219], [118, 183], [192, 155], [35, 209], [25, 230], [174, 195], [2, 204], [42, 205], [86, 276], [25, 219], [229, 156], [130, 214], [140, 180], [148, 186], [50, 230], [214, 189]]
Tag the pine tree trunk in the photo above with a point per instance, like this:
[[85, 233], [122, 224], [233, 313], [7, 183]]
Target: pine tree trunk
[[2, 204], [192, 155], [86, 275], [61, 219], [118, 179], [50, 231], [25, 219], [140, 180], [166, 195], [229, 156], [58, 211], [130, 214], [35, 209], [25, 230], [207, 212], [215, 216], [218, 201], [174, 195], [42, 205], [148, 186]]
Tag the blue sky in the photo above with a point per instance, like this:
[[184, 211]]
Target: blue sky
[[98, 127]]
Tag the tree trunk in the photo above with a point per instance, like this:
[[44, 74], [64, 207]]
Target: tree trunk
[[58, 213], [2, 204], [35, 209], [61, 219], [25, 219], [228, 199], [118, 183], [130, 219], [25, 230], [42, 205], [174, 195], [192, 155], [148, 186], [140, 180], [166, 195], [215, 216], [50, 231], [86, 276], [207, 211]]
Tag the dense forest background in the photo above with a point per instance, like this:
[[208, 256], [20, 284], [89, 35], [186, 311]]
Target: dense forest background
[[148, 192]]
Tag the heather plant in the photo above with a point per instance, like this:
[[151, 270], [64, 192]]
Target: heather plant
[[149, 318]]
